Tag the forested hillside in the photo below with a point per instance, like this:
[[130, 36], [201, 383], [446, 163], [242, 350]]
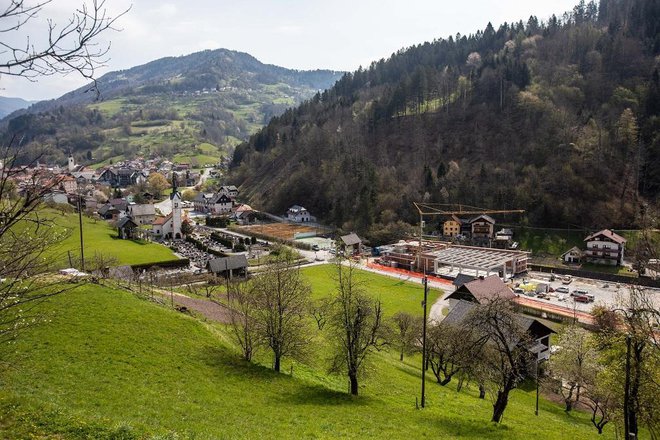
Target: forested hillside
[[560, 117], [167, 107]]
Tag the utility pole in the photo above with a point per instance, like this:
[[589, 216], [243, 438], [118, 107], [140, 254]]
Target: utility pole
[[626, 393], [424, 343], [82, 248], [536, 412]]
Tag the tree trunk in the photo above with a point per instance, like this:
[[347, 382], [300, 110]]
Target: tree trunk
[[569, 405], [354, 384], [445, 381], [482, 391], [276, 367], [500, 405], [401, 357]]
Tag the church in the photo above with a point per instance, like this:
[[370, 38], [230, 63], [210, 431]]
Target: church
[[169, 227]]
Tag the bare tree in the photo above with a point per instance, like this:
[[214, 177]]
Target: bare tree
[[67, 47], [574, 365], [242, 311], [282, 298], [602, 399], [408, 330], [26, 234], [320, 310], [357, 324], [633, 338], [451, 349], [505, 353], [206, 285]]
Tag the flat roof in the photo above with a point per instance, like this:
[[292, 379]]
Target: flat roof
[[477, 258]]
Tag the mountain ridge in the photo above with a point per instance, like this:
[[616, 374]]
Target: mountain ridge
[[558, 118], [168, 106]]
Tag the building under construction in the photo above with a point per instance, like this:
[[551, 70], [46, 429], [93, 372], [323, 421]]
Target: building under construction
[[448, 260]]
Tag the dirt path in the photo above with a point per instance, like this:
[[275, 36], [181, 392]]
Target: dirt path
[[208, 309]]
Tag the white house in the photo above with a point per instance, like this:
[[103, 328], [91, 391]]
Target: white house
[[229, 190], [299, 214], [573, 255], [605, 247], [201, 202], [221, 204]]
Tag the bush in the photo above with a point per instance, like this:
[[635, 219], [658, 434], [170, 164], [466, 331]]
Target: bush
[[222, 240], [216, 222], [239, 247]]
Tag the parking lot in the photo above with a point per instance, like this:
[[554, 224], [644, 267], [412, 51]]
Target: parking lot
[[605, 293]]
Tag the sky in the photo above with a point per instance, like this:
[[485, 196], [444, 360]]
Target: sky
[[297, 34]]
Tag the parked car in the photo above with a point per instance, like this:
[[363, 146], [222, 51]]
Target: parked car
[[583, 292], [562, 289], [567, 279], [562, 297], [581, 298], [542, 295]]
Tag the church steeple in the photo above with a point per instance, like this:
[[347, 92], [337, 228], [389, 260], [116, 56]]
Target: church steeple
[[175, 197], [175, 189]]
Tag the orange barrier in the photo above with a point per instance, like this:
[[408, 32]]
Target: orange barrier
[[408, 273]]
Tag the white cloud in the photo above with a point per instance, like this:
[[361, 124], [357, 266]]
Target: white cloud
[[301, 34]]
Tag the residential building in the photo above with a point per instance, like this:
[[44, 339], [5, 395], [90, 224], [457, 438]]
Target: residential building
[[229, 190], [142, 214], [452, 227], [573, 255], [482, 289], [482, 226], [55, 196], [122, 177], [221, 204], [539, 332], [605, 247], [298, 214]]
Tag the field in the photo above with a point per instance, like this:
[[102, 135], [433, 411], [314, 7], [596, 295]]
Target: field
[[111, 366], [284, 231], [100, 238]]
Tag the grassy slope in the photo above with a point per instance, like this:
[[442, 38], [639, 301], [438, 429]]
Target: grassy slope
[[108, 358], [100, 237]]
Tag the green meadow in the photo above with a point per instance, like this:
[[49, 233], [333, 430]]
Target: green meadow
[[111, 366]]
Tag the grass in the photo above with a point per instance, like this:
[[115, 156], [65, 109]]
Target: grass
[[111, 364], [548, 242], [395, 295], [101, 238]]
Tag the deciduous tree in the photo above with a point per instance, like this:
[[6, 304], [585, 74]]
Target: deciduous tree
[[282, 298], [357, 324]]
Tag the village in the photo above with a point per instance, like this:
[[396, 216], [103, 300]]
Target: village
[[218, 234]]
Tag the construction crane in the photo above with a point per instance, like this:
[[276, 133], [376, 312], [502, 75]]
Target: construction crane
[[449, 210], [459, 209]]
